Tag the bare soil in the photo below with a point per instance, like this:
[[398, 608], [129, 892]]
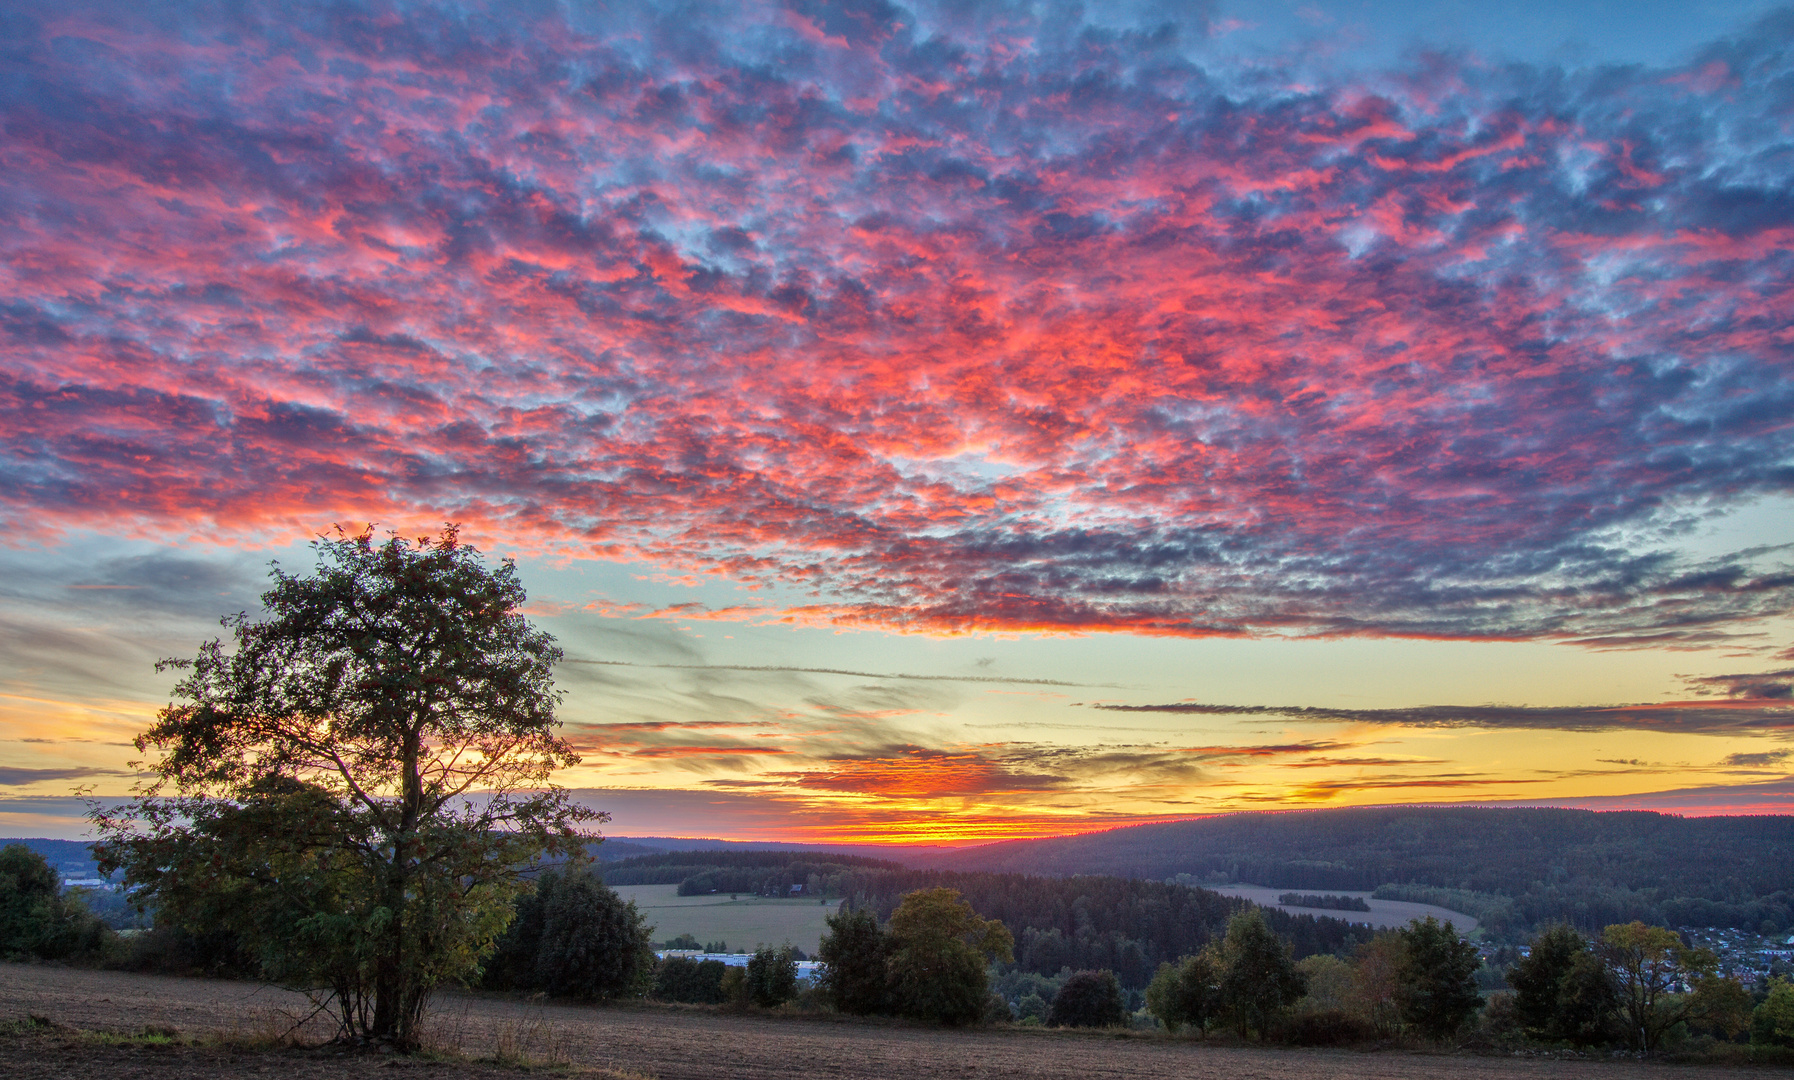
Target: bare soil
[[665, 1043]]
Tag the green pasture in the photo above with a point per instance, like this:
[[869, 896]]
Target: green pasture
[[743, 923]]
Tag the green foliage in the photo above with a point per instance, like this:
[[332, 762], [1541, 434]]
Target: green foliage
[[772, 976], [1096, 923], [1772, 1024], [1259, 980], [685, 941], [1648, 965], [1562, 990], [37, 918], [1328, 982], [854, 955], [1538, 976], [1088, 999], [688, 981], [1438, 977], [592, 945], [1187, 992], [939, 948], [324, 768]]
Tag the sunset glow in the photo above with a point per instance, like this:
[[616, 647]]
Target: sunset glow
[[925, 422]]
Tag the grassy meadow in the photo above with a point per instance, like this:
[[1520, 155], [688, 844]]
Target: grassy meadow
[[743, 922]]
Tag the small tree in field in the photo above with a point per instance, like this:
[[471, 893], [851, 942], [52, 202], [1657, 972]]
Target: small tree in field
[[939, 948], [360, 781]]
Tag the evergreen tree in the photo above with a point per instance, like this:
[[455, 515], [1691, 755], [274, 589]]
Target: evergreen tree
[[593, 945], [854, 953], [1438, 977], [1563, 991]]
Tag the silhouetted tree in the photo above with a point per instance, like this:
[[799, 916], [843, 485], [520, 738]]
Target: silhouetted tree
[[324, 768]]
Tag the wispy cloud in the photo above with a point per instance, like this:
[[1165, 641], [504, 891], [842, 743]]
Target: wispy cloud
[[1697, 716], [957, 317]]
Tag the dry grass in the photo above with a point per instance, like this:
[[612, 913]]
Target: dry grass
[[110, 1025]]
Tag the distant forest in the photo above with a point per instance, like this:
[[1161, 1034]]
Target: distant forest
[[1516, 870], [1087, 922]]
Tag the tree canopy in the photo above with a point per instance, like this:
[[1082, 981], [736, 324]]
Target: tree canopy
[[355, 785]]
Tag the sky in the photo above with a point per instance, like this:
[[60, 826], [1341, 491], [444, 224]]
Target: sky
[[933, 422]]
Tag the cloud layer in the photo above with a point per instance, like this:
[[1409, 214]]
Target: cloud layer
[[993, 317]]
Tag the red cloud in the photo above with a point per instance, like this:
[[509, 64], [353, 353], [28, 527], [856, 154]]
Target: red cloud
[[1036, 343]]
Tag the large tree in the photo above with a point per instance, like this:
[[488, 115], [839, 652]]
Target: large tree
[[1438, 977], [355, 786], [1663, 982], [939, 950], [1259, 978]]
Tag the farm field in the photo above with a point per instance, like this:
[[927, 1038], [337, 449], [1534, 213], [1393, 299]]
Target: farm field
[[1382, 913], [743, 923], [670, 1043]]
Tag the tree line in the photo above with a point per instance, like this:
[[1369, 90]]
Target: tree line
[[1551, 866]]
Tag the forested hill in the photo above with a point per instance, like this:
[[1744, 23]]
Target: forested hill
[[1125, 925], [1516, 868]]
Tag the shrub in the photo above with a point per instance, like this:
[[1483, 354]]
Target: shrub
[[1326, 1027], [687, 981], [1088, 999], [38, 919], [772, 976]]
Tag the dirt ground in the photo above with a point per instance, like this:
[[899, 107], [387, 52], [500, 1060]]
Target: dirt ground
[[664, 1043]]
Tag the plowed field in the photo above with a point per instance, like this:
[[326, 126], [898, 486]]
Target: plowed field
[[668, 1043]]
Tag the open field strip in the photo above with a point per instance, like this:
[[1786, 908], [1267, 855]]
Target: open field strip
[[743, 923], [670, 1043], [1382, 913]]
